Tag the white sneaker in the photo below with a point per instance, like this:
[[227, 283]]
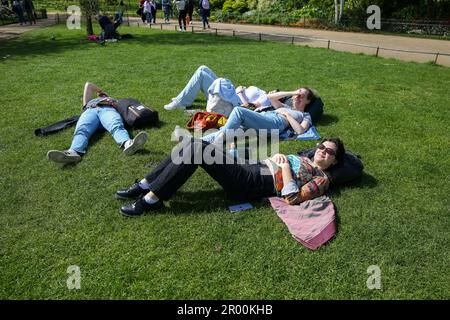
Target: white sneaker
[[131, 146], [174, 105], [66, 156]]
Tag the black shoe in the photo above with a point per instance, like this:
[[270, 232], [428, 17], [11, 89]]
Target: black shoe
[[133, 192], [139, 207]]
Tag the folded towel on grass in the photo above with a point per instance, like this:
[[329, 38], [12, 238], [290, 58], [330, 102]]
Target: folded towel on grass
[[312, 223]]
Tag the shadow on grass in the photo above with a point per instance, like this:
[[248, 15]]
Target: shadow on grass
[[366, 181], [327, 119], [42, 44], [207, 201]]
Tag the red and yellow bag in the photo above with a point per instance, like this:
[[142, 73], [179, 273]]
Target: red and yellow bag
[[206, 120]]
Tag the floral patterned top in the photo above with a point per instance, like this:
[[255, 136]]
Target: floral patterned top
[[309, 181]]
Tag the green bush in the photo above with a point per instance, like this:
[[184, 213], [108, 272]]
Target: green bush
[[238, 6], [308, 11], [216, 4]]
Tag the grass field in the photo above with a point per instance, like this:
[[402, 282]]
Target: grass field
[[394, 114]]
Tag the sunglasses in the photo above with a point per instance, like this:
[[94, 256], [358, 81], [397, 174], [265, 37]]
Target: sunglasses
[[330, 151]]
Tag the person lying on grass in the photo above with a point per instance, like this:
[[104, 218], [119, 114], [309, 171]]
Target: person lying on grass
[[294, 178], [98, 112], [282, 118], [203, 78]]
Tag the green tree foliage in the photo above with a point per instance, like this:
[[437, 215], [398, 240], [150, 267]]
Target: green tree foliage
[[235, 6], [354, 10], [216, 4]]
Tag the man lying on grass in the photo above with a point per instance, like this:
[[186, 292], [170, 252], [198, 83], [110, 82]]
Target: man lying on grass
[[98, 112], [295, 178]]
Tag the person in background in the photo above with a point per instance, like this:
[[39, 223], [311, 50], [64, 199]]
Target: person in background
[[181, 6], [108, 27], [154, 9], [190, 9], [147, 9], [205, 12], [17, 8], [28, 6], [166, 9], [141, 10]]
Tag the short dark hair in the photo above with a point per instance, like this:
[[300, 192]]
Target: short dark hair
[[340, 151]]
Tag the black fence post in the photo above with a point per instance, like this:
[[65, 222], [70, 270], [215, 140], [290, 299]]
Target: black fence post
[[161, 26], [192, 29], [378, 49], [435, 60], [328, 44], [216, 31], [260, 37], [292, 40], [233, 33]]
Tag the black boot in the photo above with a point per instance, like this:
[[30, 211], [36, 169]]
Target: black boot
[[139, 207], [133, 192]]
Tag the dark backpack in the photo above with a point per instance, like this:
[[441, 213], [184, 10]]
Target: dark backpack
[[349, 170], [135, 114]]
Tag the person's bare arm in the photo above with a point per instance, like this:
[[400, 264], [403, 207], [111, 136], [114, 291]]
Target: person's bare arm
[[298, 128], [89, 90], [240, 93], [275, 97]]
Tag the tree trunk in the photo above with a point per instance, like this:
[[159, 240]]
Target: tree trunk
[[89, 28], [341, 10], [336, 12]]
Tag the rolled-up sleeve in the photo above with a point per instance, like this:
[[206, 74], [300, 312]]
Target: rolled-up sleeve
[[290, 187], [313, 189]]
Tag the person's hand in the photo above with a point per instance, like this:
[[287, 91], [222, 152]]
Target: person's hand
[[110, 102], [283, 112], [240, 89], [284, 165], [280, 159]]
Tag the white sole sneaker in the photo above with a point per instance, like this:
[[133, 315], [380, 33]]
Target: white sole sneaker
[[63, 156], [174, 105], [136, 144]]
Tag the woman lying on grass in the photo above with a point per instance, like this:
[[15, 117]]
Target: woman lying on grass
[[203, 78], [282, 118], [295, 178]]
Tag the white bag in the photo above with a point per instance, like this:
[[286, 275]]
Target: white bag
[[216, 104]]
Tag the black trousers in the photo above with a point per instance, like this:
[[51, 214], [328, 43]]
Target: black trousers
[[182, 17], [240, 181]]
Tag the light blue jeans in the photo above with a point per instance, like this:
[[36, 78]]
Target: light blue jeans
[[248, 119], [91, 119], [201, 80]]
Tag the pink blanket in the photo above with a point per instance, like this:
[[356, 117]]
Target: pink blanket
[[312, 223]]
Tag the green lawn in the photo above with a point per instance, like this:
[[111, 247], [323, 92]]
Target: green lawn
[[394, 114]]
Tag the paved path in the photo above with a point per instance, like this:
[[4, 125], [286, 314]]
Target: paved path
[[319, 38], [374, 40], [11, 31], [311, 37]]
